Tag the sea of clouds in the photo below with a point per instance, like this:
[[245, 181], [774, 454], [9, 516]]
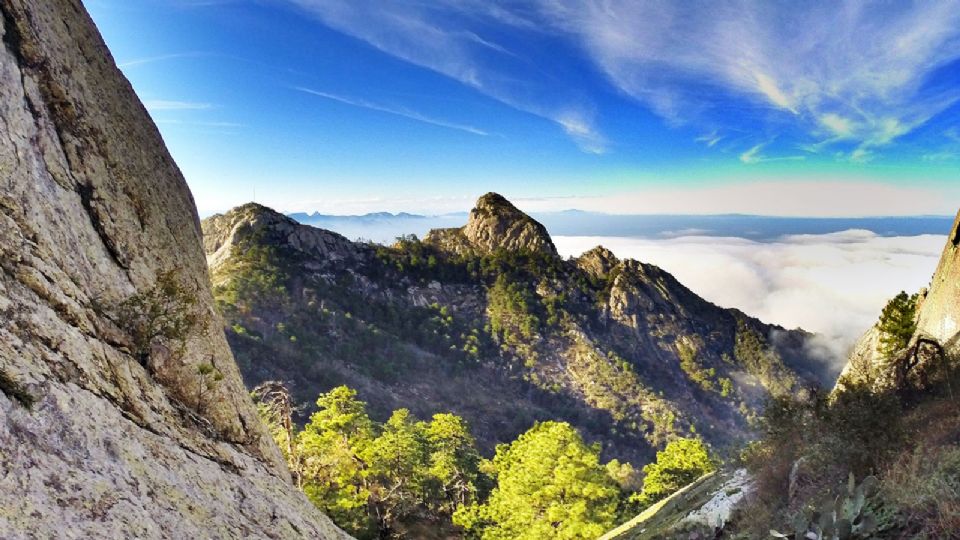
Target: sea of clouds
[[832, 284]]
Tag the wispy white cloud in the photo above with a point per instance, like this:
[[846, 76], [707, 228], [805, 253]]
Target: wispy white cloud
[[753, 155], [446, 36], [159, 58], [946, 151], [846, 74], [790, 281], [406, 113], [171, 105], [710, 139], [845, 71]]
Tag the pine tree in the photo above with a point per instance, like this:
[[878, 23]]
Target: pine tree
[[897, 324], [398, 470], [550, 484], [681, 462], [331, 446]]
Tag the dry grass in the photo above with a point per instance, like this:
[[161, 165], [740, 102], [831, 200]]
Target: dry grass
[[923, 486]]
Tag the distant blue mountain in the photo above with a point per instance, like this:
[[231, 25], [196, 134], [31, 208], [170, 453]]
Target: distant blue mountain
[[384, 227]]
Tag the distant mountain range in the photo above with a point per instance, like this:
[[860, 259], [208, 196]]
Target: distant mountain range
[[384, 227]]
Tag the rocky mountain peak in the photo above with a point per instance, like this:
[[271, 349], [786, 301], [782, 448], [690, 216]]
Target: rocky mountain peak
[[223, 231], [598, 262], [496, 224]]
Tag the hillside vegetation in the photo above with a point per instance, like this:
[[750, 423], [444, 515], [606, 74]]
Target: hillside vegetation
[[487, 322], [876, 458], [503, 334]]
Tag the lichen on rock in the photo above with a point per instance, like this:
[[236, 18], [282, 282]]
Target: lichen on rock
[[93, 211]]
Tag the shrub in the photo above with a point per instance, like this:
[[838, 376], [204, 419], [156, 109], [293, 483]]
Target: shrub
[[209, 377], [167, 311], [897, 324]]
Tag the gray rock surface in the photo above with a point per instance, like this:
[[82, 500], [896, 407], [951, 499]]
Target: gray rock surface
[[598, 262], [223, 231], [495, 224], [939, 313], [95, 440]]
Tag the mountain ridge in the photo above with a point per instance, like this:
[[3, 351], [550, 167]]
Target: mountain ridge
[[593, 336]]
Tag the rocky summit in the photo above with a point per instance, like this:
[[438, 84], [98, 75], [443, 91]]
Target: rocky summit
[[495, 224], [488, 322], [122, 412]]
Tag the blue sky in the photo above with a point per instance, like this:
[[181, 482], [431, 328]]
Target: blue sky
[[350, 106]]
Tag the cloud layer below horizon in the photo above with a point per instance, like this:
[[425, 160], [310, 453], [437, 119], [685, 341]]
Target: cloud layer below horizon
[[831, 284]]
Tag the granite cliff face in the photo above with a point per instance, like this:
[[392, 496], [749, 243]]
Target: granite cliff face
[[488, 322], [106, 432], [939, 310]]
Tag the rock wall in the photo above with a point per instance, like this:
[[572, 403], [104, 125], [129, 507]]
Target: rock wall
[[96, 439], [222, 231], [939, 314]]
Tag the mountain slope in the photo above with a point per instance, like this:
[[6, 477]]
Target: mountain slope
[[107, 429], [488, 322]]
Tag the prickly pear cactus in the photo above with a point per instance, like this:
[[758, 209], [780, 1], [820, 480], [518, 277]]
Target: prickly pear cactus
[[845, 517]]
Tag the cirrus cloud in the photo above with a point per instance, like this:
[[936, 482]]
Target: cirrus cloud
[[848, 76]]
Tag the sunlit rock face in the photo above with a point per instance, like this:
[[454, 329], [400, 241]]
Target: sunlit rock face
[[939, 316], [100, 438], [496, 224]]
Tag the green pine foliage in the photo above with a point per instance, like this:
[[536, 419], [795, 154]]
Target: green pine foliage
[[373, 479], [510, 308], [897, 323], [384, 480], [703, 377], [166, 312], [761, 360], [550, 484], [680, 463]]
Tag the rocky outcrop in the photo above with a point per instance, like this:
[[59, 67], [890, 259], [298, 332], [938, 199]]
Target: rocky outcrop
[[224, 231], [863, 361], [692, 512], [937, 332], [598, 262], [106, 432], [496, 224]]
